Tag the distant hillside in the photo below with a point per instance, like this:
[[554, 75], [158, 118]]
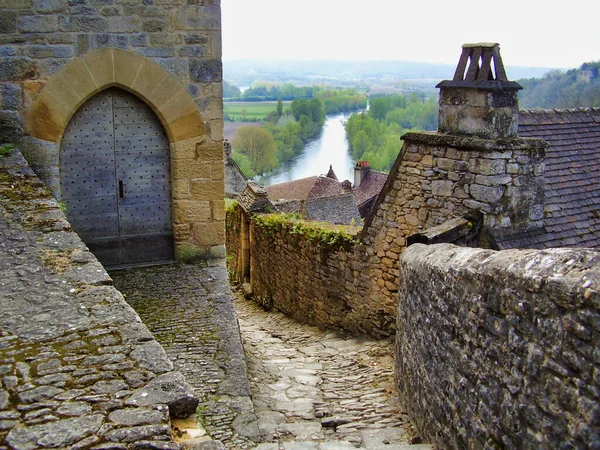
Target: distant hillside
[[557, 89], [350, 73]]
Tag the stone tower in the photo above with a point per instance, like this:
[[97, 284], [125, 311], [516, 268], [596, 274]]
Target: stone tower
[[117, 106]]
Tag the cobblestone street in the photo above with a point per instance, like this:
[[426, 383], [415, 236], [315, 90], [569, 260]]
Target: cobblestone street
[[309, 389]]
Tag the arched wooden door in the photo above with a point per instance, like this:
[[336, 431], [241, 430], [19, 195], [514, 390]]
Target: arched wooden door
[[115, 179]]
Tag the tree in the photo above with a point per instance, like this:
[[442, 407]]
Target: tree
[[279, 107], [259, 146]]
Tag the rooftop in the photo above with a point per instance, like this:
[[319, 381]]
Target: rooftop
[[572, 211]]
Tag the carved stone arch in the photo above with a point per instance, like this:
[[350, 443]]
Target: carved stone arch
[[197, 167], [83, 77]]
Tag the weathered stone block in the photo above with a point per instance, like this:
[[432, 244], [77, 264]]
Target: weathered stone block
[[139, 40], [154, 25], [192, 211], [8, 22], [177, 67], [166, 39], [16, 4], [50, 51], [124, 24], [487, 194], [209, 234], [493, 180], [442, 188], [78, 23], [104, 40], [197, 18], [18, 69], [37, 24], [207, 189], [11, 96], [50, 6], [187, 127], [206, 71]]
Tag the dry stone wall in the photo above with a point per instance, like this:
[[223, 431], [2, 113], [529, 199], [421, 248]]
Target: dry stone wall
[[500, 349], [315, 284], [78, 368]]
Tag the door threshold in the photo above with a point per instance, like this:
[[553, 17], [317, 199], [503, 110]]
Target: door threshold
[[140, 265]]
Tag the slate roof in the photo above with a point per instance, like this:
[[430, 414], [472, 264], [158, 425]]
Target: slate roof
[[339, 209], [326, 186], [572, 179], [369, 187], [304, 189]]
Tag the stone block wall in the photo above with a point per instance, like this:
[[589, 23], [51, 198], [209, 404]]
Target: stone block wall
[[326, 287], [55, 54], [500, 349], [438, 177], [78, 367]]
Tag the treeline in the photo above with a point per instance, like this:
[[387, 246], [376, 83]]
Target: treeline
[[374, 135], [557, 89], [335, 100], [260, 150]]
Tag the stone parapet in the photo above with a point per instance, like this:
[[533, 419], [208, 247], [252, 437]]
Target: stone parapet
[[78, 367], [498, 349]]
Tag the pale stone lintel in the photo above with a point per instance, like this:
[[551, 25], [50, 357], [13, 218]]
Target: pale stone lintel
[[436, 139]]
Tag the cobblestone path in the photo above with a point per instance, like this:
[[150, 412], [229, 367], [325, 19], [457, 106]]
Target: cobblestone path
[[319, 390], [189, 310], [309, 389]]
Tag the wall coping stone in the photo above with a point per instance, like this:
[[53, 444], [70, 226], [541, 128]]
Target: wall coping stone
[[436, 139]]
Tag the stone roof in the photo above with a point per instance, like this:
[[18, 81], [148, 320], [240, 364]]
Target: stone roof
[[304, 189], [339, 209], [369, 187], [572, 207]]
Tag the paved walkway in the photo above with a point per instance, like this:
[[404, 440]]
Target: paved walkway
[[310, 389], [314, 389], [189, 309]]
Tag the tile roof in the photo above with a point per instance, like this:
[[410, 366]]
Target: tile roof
[[369, 187], [572, 178], [291, 190], [304, 189], [339, 209]]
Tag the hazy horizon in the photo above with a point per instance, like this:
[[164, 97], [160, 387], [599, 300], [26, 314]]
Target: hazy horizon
[[530, 34]]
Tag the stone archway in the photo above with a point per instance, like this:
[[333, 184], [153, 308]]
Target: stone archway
[[196, 162]]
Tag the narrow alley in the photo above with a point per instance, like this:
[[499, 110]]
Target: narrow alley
[[308, 389]]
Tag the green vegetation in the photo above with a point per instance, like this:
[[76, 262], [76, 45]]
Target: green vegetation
[[249, 111], [325, 238], [230, 91], [261, 91], [6, 150], [270, 107], [572, 89], [260, 150], [374, 135]]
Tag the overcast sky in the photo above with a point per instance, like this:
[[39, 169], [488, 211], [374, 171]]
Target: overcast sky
[[532, 33]]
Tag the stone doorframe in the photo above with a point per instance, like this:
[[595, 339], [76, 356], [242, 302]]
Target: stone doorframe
[[197, 168]]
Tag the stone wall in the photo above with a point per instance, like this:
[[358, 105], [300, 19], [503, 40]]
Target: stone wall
[[55, 54], [293, 272], [500, 349], [438, 177], [78, 367]]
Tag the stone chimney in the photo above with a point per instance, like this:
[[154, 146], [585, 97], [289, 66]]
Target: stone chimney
[[361, 170], [475, 161], [227, 150], [253, 199], [479, 100]]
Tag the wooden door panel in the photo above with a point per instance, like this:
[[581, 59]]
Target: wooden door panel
[[115, 179]]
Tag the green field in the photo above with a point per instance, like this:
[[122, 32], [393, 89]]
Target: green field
[[252, 111]]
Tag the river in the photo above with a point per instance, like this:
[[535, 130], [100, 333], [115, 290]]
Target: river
[[330, 148]]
